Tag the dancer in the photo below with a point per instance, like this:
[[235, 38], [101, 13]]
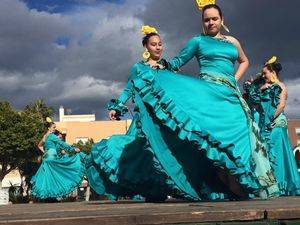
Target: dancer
[[267, 96], [227, 116], [58, 174], [190, 138]]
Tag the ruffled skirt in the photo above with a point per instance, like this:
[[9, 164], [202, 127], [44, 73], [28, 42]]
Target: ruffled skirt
[[57, 176], [283, 162], [185, 133]]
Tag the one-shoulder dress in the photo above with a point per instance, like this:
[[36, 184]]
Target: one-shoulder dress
[[186, 131]]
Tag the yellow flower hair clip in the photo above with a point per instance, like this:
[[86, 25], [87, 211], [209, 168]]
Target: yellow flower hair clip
[[202, 3], [271, 60], [48, 120], [148, 30]]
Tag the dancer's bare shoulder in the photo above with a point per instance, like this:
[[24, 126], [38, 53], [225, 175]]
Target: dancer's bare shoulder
[[233, 40]]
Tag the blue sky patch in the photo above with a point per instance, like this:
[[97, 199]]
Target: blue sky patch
[[63, 41], [60, 6]]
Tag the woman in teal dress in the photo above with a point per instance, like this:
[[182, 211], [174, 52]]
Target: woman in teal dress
[[59, 174], [267, 97], [190, 138], [225, 115]]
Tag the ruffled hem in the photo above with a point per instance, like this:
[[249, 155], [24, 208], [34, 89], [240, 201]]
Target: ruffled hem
[[163, 185], [288, 189], [38, 193], [178, 121]]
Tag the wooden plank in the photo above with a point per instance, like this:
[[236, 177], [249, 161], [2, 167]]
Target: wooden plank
[[128, 212]]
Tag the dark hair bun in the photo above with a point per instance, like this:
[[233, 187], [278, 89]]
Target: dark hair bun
[[277, 67]]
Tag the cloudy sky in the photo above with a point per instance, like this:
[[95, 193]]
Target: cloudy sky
[[77, 53]]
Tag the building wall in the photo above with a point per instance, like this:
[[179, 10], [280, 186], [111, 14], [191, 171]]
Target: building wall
[[96, 130], [294, 131], [12, 179]]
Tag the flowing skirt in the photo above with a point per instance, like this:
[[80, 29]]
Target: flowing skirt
[[57, 176], [187, 134], [283, 162]]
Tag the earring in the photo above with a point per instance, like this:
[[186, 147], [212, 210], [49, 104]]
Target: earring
[[146, 55], [273, 78], [203, 30], [225, 27]]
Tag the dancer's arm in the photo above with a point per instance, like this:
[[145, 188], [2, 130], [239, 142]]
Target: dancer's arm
[[41, 146], [252, 89], [242, 59], [42, 142], [282, 101], [185, 55], [117, 107]]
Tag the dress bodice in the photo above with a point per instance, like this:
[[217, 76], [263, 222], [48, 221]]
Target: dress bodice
[[54, 142], [49, 143], [269, 101], [214, 56]]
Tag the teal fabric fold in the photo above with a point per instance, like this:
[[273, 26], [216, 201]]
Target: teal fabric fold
[[186, 131], [274, 132], [118, 106]]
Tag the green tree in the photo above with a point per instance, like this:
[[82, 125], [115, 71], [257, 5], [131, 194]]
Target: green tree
[[85, 147], [20, 133], [10, 144]]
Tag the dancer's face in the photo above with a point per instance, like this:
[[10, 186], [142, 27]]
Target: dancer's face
[[267, 75], [155, 47], [52, 128], [212, 21]]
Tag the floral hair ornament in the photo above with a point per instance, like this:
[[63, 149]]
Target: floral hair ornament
[[48, 120], [271, 60], [202, 3], [148, 30]]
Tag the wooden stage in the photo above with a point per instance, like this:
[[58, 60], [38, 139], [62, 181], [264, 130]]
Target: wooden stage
[[285, 210]]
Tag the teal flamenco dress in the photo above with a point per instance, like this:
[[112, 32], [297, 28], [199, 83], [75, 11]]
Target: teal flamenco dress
[[185, 131], [58, 174], [274, 131]]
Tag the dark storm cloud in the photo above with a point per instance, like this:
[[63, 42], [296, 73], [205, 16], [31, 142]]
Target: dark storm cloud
[[83, 72], [264, 28], [26, 36], [81, 58]]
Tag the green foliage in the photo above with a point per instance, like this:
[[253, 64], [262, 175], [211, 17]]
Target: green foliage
[[10, 145], [85, 147], [20, 133]]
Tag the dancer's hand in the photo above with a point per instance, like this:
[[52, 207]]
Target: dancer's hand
[[63, 152], [249, 81], [77, 150], [265, 86], [112, 114]]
